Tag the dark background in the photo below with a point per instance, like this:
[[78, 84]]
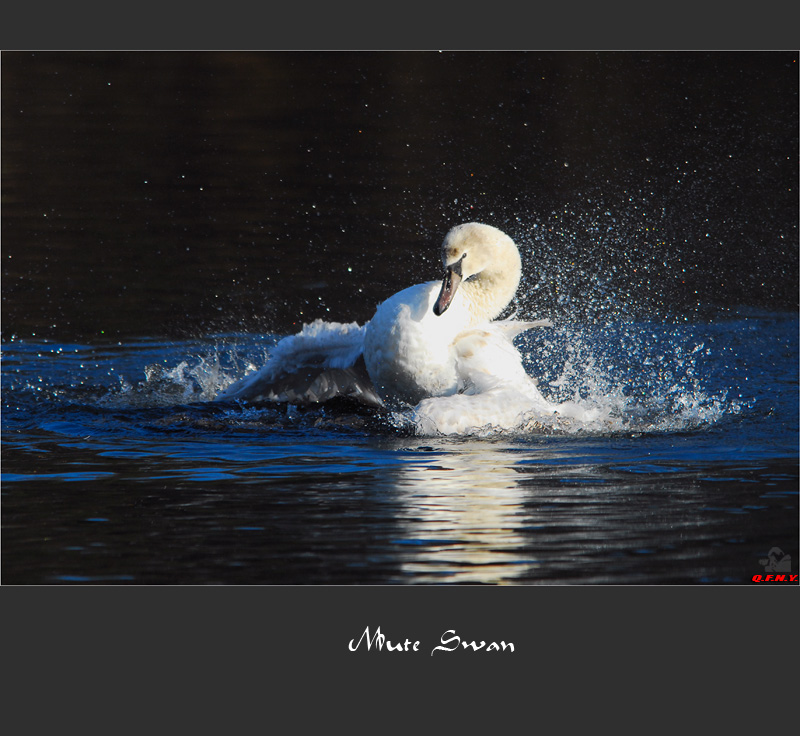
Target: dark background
[[178, 193]]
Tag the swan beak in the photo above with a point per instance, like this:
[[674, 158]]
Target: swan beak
[[452, 279]]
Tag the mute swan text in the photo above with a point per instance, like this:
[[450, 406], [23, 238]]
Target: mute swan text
[[449, 642]]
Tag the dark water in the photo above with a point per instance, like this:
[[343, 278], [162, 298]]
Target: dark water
[[166, 217]]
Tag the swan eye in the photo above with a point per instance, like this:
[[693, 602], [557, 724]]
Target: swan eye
[[457, 267]]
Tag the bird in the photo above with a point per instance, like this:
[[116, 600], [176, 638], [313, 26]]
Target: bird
[[436, 346]]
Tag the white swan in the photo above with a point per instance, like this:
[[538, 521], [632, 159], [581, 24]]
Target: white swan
[[434, 345], [411, 344]]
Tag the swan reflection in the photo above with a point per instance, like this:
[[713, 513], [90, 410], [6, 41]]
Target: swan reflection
[[462, 518]]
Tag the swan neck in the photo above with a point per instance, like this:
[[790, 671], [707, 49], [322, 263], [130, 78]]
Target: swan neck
[[490, 291]]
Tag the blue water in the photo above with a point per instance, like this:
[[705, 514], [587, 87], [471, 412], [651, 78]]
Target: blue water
[[117, 468]]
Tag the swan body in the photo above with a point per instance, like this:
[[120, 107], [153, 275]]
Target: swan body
[[436, 345], [410, 344], [409, 352], [494, 389]]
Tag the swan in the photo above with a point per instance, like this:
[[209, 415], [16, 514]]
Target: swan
[[437, 346], [410, 345]]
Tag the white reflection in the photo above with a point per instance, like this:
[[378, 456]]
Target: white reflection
[[463, 515]]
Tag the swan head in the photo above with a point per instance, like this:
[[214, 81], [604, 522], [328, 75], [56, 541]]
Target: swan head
[[483, 251]]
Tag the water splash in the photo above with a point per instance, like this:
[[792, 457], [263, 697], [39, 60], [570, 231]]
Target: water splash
[[197, 378], [619, 378], [629, 378], [640, 376]]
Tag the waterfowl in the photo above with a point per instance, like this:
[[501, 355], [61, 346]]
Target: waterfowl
[[427, 342]]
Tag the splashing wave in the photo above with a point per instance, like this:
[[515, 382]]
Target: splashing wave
[[621, 378]]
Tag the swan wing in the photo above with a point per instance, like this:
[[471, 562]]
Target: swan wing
[[486, 356], [495, 392], [512, 327], [323, 361]]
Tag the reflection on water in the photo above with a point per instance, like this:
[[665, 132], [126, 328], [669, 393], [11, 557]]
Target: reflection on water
[[462, 515]]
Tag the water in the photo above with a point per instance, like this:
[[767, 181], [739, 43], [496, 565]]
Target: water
[[117, 468], [158, 239]]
